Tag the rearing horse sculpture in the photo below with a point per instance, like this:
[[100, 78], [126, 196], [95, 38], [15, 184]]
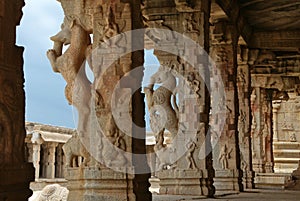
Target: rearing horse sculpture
[[162, 114]]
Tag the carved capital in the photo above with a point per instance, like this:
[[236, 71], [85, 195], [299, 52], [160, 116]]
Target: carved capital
[[222, 32]]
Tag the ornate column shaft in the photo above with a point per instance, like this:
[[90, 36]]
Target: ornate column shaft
[[262, 128], [268, 132], [276, 106], [111, 130], [256, 131], [50, 171], [190, 174], [226, 153], [244, 124], [36, 159]]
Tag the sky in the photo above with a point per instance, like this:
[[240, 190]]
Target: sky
[[44, 89]]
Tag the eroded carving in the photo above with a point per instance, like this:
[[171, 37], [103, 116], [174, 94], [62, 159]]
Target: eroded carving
[[224, 156], [190, 150], [183, 6], [53, 192], [74, 149], [70, 65], [166, 156], [162, 114]]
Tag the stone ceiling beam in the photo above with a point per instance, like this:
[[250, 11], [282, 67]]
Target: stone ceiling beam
[[232, 10], [277, 40]]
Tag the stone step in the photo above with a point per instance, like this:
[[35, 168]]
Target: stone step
[[286, 145], [286, 160], [286, 153], [285, 167]]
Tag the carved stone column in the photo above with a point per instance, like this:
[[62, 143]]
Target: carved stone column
[[244, 123], [276, 106], [50, 170], [36, 159], [226, 154], [256, 131], [268, 132], [59, 167], [190, 174], [111, 130], [15, 173], [262, 128]]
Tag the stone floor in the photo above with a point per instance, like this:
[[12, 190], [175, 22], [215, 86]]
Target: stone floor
[[253, 195]]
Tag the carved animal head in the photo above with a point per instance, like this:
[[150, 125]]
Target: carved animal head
[[165, 77], [64, 36]]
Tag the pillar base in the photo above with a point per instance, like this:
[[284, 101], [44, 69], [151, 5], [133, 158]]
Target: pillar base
[[258, 166], [269, 167], [15, 182], [226, 181], [248, 180], [184, 182], [92, 183]]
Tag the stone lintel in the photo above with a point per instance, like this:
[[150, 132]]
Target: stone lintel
[[278, 40], [232, 8]]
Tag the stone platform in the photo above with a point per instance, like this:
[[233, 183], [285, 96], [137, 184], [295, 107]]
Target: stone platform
[[253, 195]]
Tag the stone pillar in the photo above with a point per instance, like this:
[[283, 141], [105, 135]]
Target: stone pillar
[[190, 174], [15, 173], [268, 131], [36, 159], [50, 170], [261, 131], [276, 106], [256, 131], [111, 128], [244, 123], [59, 168], [226, 154]]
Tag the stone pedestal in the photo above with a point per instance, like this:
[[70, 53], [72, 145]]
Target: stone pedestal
[[85, 184], [183, 182], [226, 181]]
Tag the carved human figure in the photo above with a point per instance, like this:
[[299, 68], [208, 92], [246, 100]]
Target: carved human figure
[[189, 24], [190, 150], [159, 101], [242, 122], [165, 155], [293, 137], [110, 30], [113, 145], [224, 156], [194, 83]]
